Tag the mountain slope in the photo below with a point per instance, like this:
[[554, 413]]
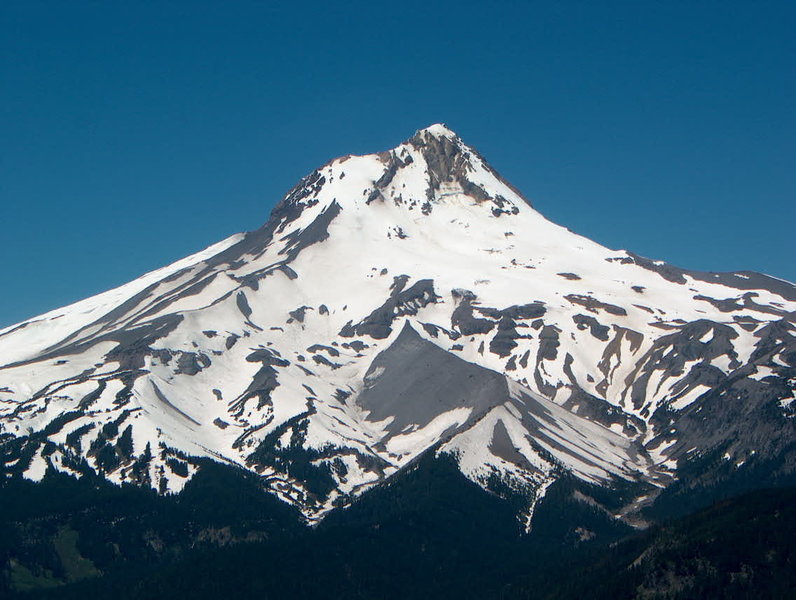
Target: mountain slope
[[398, 303]]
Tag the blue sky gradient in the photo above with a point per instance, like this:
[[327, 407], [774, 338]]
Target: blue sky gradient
[[133, 134]]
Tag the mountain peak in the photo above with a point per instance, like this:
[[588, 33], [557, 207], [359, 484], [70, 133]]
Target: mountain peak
[[438, 130], [450, 161]]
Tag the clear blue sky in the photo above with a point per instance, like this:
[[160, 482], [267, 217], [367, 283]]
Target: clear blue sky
[[135, 133]]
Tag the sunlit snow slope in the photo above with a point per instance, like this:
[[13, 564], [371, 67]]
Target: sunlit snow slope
[[396, 303]]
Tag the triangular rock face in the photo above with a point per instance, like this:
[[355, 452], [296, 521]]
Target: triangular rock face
[[415, 384], [394, 304]]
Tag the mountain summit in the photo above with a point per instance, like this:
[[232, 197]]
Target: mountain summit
[[399, 304]]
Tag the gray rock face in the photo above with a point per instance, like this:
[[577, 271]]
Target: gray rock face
[[594, 305], [401, 302], [315, 233], [741, 280], [448, 162], [463, 319], [670, 354], [413, 382], [597, 330]]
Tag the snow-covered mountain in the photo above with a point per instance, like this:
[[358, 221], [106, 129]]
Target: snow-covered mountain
[[398, 303]]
